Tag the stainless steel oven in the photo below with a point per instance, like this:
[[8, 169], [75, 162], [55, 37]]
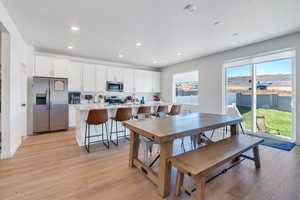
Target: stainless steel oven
[[114, 86]]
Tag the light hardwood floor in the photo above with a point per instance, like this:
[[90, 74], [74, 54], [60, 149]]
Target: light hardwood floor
[[53, 167]]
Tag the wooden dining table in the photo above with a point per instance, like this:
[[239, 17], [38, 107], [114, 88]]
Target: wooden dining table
[[164, 131]]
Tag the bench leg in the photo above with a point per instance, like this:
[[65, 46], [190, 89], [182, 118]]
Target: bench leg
[[179, 182], [200, 186], [256, 157]]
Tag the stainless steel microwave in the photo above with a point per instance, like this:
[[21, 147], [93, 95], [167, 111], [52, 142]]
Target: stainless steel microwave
[[114, 86]]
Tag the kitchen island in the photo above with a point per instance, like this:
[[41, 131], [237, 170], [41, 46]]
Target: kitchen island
[[82, 113]]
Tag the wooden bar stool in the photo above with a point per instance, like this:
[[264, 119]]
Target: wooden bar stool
[[123, 114], [143, 111], [175, 110], [95, 118]]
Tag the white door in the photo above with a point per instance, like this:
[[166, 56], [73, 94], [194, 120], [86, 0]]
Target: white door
[[75, 77], [44, 66], [143, 81], [100, 78], [89, 75], [115, 74], [61, 68], [22, 101], [128, 80], [156, 82]]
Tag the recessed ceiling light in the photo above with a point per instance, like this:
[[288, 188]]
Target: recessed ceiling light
[[179, 54], [70, 47], [138, 44], [190, 7], [235, 34], [120, 55], [154, 61], [75, 28]]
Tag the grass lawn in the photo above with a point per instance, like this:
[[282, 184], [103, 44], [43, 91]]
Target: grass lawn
[[276, 121]]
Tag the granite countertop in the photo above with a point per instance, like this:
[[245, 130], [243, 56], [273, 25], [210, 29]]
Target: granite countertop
[[84, 107]]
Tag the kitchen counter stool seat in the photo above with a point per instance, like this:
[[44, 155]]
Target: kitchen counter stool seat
[[123, 114], [96, 118]]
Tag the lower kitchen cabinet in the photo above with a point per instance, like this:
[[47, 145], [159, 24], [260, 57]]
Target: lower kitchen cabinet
[[72, 116]]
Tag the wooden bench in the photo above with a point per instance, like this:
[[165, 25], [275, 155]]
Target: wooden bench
[[200, 162]]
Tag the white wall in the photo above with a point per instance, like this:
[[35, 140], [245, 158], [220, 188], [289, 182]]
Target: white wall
[[210, 73], [19, 54]]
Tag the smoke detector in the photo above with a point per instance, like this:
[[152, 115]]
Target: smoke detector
[[190, 7]]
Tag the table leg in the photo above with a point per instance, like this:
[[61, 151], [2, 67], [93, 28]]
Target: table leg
[[256, 157], [233, 129], [164, 171], [134, 148]]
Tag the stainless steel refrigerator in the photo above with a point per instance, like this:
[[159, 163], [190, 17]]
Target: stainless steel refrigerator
[[50, 104]]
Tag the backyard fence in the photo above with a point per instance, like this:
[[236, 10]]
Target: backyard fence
[[269, 101]]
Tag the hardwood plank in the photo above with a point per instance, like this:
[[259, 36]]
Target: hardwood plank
[[52, 166]]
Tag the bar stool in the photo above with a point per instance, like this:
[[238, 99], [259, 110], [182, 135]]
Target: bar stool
[[175, 110], [143, 111], [123, 114], [95, 118], [162, 111]]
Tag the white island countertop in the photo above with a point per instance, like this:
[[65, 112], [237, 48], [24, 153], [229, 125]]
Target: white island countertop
[[85, 107], [82, 111]]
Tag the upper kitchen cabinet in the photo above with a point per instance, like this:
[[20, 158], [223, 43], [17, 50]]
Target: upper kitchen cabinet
[[61, 68], [156, 82], [51, 67], [44, 66], [89, 78], [115, 74], [100, 78], [143, 81], [128, 80], [75, 77]]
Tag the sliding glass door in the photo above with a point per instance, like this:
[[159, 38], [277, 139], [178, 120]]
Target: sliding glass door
[[262, 92], [239, 92], [274, 97]]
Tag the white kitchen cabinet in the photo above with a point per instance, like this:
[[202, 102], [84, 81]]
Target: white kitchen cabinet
[[89, 78], [72, 116], [100, 78], [75, 77], [143, 81], [44, 66], [115, 74], [51, 67], [156, 82], [61, 68], [128, 80]]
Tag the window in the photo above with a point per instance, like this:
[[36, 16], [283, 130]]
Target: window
[[186, 87]]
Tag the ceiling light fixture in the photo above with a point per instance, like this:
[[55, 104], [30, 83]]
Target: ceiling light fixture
[[70, 47], [120, 55], [190, 8], [75, 28], [138, 44], [154, 61], [179, 54]]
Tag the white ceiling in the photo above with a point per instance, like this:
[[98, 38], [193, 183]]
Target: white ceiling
[[109, 27]]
